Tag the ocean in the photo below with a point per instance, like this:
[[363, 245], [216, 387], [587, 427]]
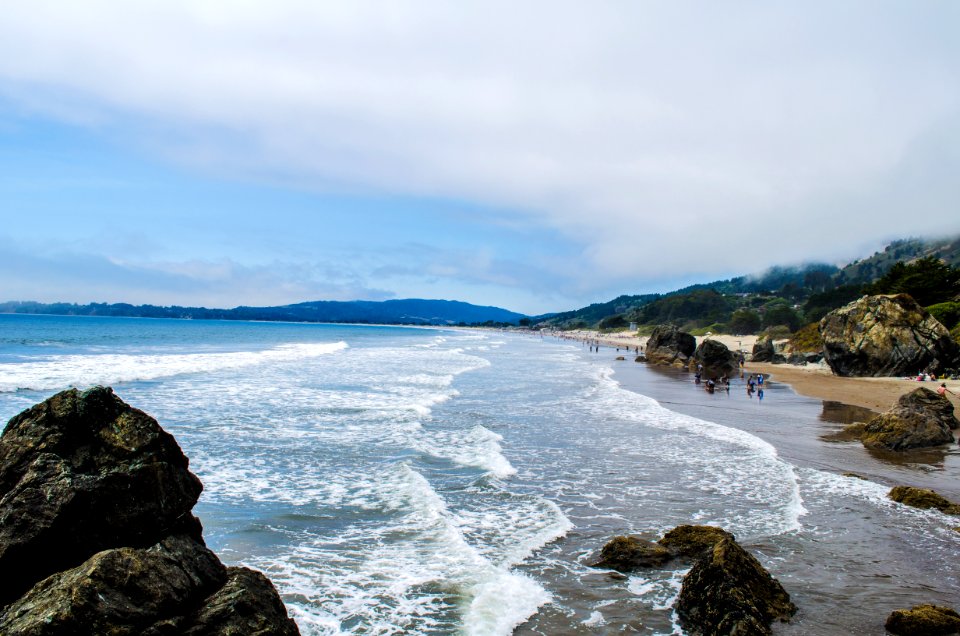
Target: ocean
[[396, 480]]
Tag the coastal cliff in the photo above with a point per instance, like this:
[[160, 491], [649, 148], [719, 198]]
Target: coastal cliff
[[96, 524]]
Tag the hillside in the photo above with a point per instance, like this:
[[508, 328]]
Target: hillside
[[781, 300], [410, 311]]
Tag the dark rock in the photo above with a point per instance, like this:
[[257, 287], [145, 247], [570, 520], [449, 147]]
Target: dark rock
[[920, 419], [886, 336], [763, 350], [715, 358], [668, 345], [727, 591], [813, 358], [121, 591], [626, 554], [797, 358], [621, 358], [924, 620], [691, 541], [95, 522], [247, 604], [83, 472], [924, 499]]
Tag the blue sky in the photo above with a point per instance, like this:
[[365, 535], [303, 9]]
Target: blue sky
[[537, 157]]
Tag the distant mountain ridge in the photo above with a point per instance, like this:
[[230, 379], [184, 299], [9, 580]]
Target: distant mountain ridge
[[411, 311]]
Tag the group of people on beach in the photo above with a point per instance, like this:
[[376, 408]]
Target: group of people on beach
[[754, 383]]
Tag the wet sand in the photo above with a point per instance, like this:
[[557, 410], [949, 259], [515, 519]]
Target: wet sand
[[876, 394]]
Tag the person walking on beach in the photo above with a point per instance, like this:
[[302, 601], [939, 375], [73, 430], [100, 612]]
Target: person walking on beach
[[942, 390]]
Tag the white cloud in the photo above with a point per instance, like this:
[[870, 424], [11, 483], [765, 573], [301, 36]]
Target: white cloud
[[667, 138]]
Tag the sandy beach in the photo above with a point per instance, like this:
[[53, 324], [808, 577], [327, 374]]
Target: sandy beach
[[818, 381]]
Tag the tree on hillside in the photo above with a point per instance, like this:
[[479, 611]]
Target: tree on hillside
[[929, 280], [744, 321], [781, 313]]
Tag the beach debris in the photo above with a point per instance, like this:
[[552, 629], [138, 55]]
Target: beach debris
[[95, 519], [715, 358], [920, 419], [923, 620], [886, 335], [629, 553], [668, 345], [924, 499], [728, 591]]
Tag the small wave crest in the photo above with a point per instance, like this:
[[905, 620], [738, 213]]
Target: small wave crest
[[77, 370]]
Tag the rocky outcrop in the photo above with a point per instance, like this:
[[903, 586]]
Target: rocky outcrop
[[715, 358], [627, 553], [924, 620], [885, 336], [920, 419], [95, 519], [763, 351], [668, 345], [924, 499], [692, 541], [727, 591]]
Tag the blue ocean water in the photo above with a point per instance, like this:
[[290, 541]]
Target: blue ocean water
[[421, 481]]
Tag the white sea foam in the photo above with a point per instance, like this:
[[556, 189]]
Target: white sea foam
[[476, 447], [433, 580], [62, 371], [734, 464]]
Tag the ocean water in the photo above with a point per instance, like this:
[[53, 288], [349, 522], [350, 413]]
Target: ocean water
[[421, 481]]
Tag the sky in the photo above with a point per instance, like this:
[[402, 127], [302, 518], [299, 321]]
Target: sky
[[537, 156]]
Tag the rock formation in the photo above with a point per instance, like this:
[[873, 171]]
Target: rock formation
[[95, 520], [924, 620], [716, 359], [626, 554], [886, 336], [920, 419], [765, 351], [924, 499], [727, 591], [690, 541], [668, 345]]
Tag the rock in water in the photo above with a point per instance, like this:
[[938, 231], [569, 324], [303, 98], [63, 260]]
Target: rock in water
[[716, 359], [691, 541], [885, 336], [920, 419], [924, 620], [95, 520], [626, 554], [668, 345], [727, 591], [923, 498]]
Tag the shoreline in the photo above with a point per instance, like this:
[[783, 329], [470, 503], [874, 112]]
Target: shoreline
[[876, 394], [815, 381]]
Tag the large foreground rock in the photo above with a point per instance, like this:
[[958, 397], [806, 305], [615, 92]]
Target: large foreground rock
[[727, 591], [886, 336], [924, 620], [920, 419], [717, 360], [96, 530], [668, 345]]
